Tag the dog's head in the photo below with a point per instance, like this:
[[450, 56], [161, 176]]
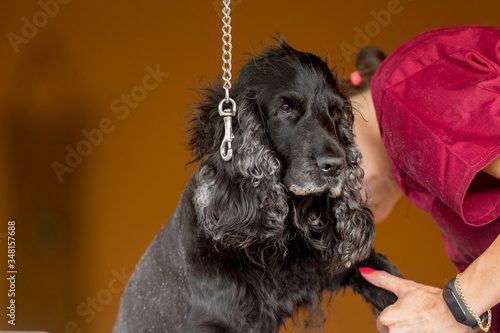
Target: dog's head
[[294, 163], [305, 114]]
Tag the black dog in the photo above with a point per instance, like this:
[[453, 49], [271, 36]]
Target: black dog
[[256, 238]]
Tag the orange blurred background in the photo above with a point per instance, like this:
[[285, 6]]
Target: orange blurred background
[[93, 102]]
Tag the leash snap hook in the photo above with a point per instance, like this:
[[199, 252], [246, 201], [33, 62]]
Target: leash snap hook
[[226, 151]]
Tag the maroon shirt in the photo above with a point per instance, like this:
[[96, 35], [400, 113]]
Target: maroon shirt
[[437, 99]]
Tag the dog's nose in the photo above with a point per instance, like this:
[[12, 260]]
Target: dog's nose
[[331, 166]]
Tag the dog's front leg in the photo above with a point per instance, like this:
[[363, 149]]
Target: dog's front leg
[[380, 298], [200, 320], [215, 306]]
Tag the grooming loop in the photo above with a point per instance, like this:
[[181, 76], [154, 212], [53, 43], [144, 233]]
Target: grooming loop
[[226, 150]]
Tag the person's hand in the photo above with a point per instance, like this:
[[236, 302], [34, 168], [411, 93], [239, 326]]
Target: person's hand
[[419, 308]]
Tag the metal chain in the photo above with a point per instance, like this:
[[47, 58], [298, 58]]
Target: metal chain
[[226, 150], [227, 47]]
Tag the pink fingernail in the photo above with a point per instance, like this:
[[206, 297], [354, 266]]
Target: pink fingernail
[[366, 270]]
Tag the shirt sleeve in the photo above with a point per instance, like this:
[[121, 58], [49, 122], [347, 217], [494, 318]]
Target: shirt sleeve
[[438, 107]]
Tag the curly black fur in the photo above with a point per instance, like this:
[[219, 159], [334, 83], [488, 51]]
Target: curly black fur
[[260, 236]]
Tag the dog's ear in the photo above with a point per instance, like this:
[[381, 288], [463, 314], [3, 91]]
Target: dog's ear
[[242, 201], [354, 220]]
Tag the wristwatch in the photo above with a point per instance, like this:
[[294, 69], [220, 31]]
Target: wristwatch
[[457, 307]]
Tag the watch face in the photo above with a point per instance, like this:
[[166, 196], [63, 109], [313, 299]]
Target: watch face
[[454, 305]]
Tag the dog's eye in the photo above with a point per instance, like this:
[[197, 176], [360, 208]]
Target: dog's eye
[[286, 108]]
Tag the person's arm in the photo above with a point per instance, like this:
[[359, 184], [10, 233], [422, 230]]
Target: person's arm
[[481, 280], [385, 193], [493, 169], [422, 308]]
